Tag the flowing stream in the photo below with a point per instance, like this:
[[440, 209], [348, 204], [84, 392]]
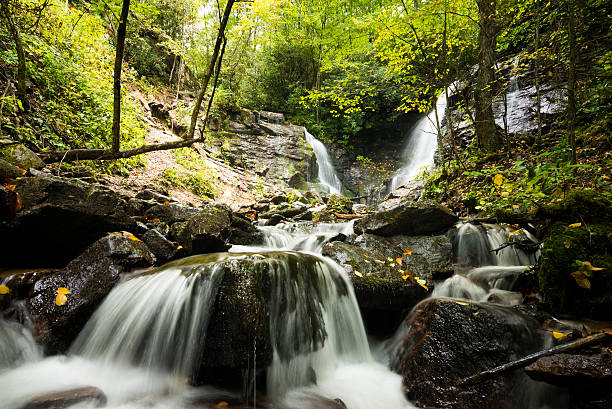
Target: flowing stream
[[146, 338], [327, 174], [421, 147]]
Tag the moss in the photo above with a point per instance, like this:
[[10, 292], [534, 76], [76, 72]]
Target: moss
[[562, 248], [339, 204], [578, 206]]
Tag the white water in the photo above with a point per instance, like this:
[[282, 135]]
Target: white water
[[17, 346], [145, 340], [327, 174], [422, 144]]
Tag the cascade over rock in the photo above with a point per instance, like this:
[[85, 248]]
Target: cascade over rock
[[401, 216], [89, 278]]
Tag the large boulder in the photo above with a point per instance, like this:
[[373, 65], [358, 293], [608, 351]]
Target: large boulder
[[89, 278], [208, 231], [59, 219], [443, 341], [18, 155], [171, 212], [407, 218], [9, 171], [88, 395]]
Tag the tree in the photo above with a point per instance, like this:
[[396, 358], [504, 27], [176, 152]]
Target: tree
[[485, 121], [121, 30], [571, 79], [5, 8]]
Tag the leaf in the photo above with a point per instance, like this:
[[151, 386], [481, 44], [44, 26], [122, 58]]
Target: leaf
[[10, 187], [4, 289], [367, 261], [581, 278], [63, 290], [61, 299], [567, 244], [399, 261], [130, 236], [498, 179], [358, 274], [16, 204], [379, 261], [408, 251], [406, 276], [389, 259], [608, 331], [424, 286], [574, 225], [222, 404], [559, 335]]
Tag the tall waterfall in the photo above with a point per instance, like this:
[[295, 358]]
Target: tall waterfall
[[422, 144], [327, 174]]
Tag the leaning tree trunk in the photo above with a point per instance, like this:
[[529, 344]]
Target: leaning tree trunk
[[211, 68], [484, 119], [571, 80], [121, 31], [21, 60]]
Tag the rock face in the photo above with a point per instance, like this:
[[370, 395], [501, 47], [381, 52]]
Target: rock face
[[65, 399], [18, 155], [171, 212], [89, 278], [208, 231], [262, 143], [406, 217], [60, 218], [443, 341]]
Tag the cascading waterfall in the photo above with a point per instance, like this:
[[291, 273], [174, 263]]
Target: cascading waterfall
[[17, 345], [327, 174], [422, 144]]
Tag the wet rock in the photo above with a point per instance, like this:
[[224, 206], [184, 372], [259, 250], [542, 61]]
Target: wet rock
[[313, 197], [62, 400], [89, 278], [274, 220], [286, 211], [160, 246], [443, 341], [408, 218], [208, 231], [571, 370], [9, 171], [171, 212], [384, 297], [59, 219], [244, 233], [339, 204], [298, 181], [430, 256], [18, 155]]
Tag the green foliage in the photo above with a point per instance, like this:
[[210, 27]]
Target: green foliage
[[192, 174]]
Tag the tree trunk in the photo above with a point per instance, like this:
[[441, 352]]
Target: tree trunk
[[121, 30], [536, 60], [211, 68], [571, 80], [212, 95], [21, 59], [484, 120]]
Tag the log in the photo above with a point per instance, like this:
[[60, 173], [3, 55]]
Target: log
[[348, 216], [522, 362]]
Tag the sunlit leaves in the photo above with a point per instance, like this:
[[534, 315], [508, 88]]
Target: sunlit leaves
[[498, 179], [62, 296]]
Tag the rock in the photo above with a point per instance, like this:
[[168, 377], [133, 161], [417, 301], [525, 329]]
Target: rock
[[89, 278], [62, 400], [430, 256], [160, 246], [244, 233], [570, 370], [17, 154], [59, 219], [8, 171], [208, 231], [149, 194], [443, 341], [384, 297], [275, 219], [298, 181], [407, 218], [339, 204], [313, 197], [171, 212], [286, 212]]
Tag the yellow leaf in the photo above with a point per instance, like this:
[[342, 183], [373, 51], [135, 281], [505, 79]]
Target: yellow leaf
[[498, 179], [367, 261], [379, 261], [391, 264], [574, 225], [405, 276], [399, 260], [408, 251], [558, 335], [62, 290], [358, 274], [61, 299], [461, 303], [10, 187], [222, 404], [130, 236], [424, 286], [389, 259], [4, 289], [581, 278]]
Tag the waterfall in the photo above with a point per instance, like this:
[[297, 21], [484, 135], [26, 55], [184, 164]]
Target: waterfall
[[327, 174], [422, 144], [17, 346]]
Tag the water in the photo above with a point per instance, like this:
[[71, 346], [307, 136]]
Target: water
[[421, 148], [327, 174], [144, 342], [17, 346]]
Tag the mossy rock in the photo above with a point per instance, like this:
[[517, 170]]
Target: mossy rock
[[18, 155], [563, 246], [579, 205], [339, 204]]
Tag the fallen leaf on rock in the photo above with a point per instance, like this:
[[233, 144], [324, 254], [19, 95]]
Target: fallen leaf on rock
[[358, 274], [408, 251], [63, 290], [130, 236], [61, 299], [574, 225], [4, 289]]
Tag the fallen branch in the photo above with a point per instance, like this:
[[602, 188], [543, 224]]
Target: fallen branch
[[522, 362], [527, 246], [348, 216]]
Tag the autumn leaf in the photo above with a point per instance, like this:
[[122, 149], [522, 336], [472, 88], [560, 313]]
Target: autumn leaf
[[399, 261], [222, 404], [405, 276], [379, 261], [130, 236], [582, 279], [63, 290], [4, 289], [574, 225], [367, 261], [61, 299], [408, 251], [559, 335], [498, 179], [389, 259], [10, 187], [358, 274]]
